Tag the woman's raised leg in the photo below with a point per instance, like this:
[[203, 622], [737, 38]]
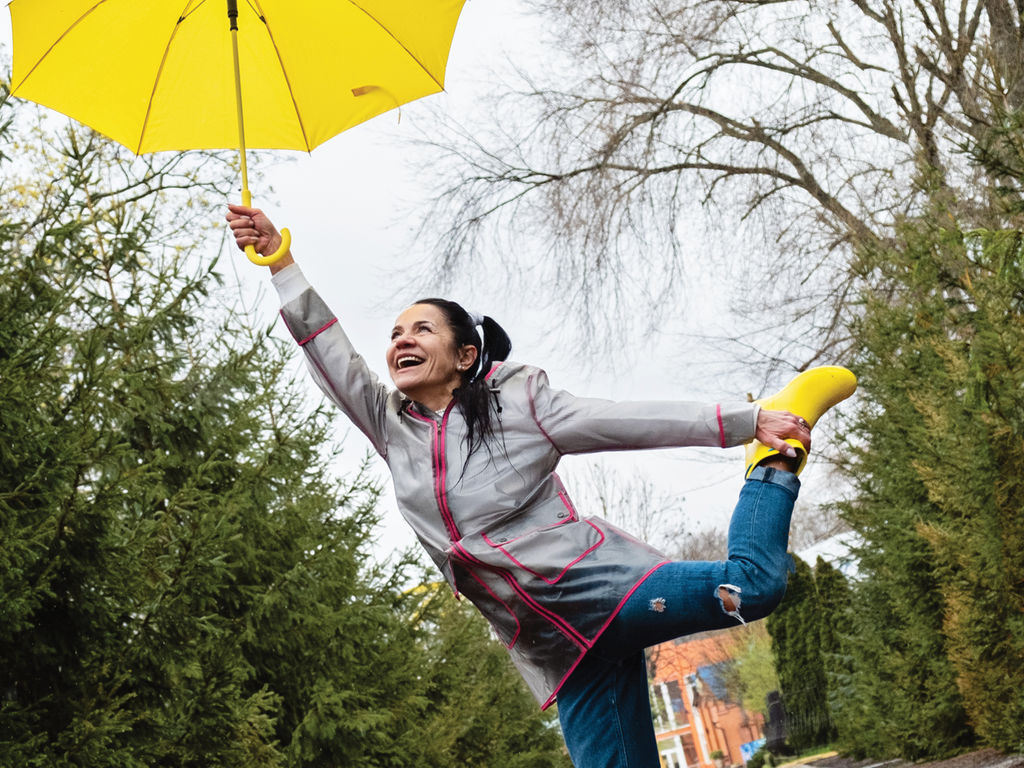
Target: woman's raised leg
[[684, 597], [606, 695], [609, 687]]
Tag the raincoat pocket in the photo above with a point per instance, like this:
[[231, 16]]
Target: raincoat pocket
[[548, 551]]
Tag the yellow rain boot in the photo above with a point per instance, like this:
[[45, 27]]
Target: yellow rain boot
[[808, 396]]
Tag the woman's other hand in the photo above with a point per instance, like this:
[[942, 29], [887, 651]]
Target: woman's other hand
[[250, 226], [773, 427]]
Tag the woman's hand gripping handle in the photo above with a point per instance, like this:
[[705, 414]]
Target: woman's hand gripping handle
[[254, 232]]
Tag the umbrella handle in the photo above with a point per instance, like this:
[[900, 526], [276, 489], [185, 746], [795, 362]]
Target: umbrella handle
[[266, 261], [250, 251]]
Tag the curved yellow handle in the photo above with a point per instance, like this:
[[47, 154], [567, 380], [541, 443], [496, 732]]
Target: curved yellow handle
[[266, 261], [286, 236]]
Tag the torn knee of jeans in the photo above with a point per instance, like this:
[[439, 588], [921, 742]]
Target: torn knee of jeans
[[729, 598], [658, 605]]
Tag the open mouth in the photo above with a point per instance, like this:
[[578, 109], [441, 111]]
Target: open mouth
[[408, 361]]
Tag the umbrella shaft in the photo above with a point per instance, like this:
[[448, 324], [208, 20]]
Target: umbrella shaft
[[233, 16]]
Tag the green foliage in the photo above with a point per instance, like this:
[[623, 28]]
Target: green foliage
[[757, 759], [937, 623], [795, 628], [763, 758], [833, 595], [179, 570], [477, 712], [809, 645], [753, 672], [182, 580], [1000, 152]]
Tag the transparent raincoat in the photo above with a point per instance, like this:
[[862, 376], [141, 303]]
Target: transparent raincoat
[[499, 523]]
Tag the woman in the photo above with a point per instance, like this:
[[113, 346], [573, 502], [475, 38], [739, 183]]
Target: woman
[[472, 442]]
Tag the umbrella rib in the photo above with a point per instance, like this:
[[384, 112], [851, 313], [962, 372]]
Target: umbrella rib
[[64, 34], [159, 72], [411, 55], [186, 13], [284, 72]]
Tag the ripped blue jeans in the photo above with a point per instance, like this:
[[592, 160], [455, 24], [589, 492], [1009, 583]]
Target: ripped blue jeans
[[603, 706]]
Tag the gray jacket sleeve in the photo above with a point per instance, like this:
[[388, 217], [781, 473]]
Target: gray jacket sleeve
[[583, 425], [336, 367]]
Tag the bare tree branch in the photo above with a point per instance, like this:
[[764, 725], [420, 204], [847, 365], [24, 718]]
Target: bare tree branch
[[783, 133]]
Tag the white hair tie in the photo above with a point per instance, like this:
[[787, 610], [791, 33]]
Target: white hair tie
[[478, 322]]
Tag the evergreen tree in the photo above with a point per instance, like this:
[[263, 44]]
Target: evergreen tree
[[833, 596], [937, 646], [795, 628], [182, 580], [477, 712], [904, 699]]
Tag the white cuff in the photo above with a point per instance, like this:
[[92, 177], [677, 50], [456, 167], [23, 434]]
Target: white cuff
[[290, 283]]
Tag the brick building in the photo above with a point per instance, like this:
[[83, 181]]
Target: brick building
[[693, 711]]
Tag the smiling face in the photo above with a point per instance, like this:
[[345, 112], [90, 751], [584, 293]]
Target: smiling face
[[423, 359]]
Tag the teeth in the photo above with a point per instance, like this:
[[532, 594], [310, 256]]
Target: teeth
[[402, 361]]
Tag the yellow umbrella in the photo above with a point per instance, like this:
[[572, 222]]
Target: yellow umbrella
[[159, 75]]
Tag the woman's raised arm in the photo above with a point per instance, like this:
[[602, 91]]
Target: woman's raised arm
[[340, 372]]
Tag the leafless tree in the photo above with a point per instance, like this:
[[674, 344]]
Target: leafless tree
[[638, 505], [666, 138], [813, 524], [701, 544], [632, 502]]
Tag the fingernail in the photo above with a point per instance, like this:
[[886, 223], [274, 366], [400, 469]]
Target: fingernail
[[790, 451]]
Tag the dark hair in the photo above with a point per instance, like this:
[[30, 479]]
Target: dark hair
[[473, 395]]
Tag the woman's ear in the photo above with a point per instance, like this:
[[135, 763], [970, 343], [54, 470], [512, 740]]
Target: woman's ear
[[467, 357]]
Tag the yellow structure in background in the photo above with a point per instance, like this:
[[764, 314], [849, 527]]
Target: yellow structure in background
[[156, 75]]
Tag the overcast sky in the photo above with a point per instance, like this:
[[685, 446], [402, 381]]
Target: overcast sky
[[343, 205]]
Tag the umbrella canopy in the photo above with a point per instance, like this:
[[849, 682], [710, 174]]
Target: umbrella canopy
[[158, 75]]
